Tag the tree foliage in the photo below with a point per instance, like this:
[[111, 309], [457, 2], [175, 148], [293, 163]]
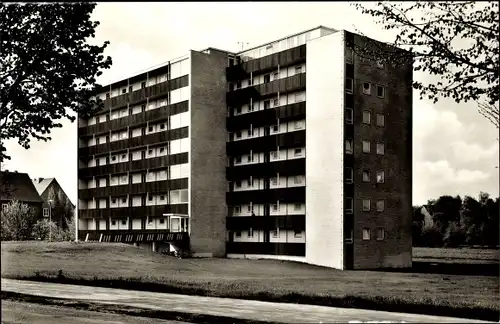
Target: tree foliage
[[17, 221], [48, 68], [457, 41]]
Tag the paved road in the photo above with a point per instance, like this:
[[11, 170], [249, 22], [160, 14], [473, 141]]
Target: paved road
[[28, 313], [235, 308]]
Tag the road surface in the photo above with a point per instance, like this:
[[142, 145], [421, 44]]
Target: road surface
[[235, 308], [28, 313]]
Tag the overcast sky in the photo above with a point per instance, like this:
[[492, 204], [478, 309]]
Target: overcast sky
[[455, 148]]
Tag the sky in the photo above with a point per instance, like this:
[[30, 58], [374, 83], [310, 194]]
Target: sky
[[455, 149]]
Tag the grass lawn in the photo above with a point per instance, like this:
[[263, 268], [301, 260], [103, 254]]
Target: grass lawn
[[454, 255], [256, 279]]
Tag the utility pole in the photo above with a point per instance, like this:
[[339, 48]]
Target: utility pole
[[50, 220]]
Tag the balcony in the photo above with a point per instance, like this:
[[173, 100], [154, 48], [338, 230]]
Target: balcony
[[267, 196], [134, 236], [292, 249], [289, 222], [135, 120], [136, 212], [134, 188], [132, 166], [258, 92], [267, 117], [267, 63], [267, 143], [267, 169], [135, 142]]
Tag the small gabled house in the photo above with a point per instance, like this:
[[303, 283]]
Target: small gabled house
[[18, 186], [44, 186]]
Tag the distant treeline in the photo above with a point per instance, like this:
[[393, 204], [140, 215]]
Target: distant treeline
[[452, 221]]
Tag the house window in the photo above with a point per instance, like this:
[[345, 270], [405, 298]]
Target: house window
[[143, 85], [113, 222], [143, 108], [380, 205], [349, 85], [267, 78], [297, 207], [298, 69], [276, 207], [237, 234], [267, 104], [237, 134], [366, 234], [150, 220], [276, 76], [162, 126], [276, 233], [113, 201], [250, 108], [162, 149], [366, 175], [150, 152], [348, 146], [124, 178], [298, 125], [348, 205], [366, 146], [237, 209], [130, 89], [107, 95], [348, 175], [237, 184], [45, 210], [276, 128], [367, 117], [124, 200], [150, 198], [162, 197], [238, 110], [380, 91], [276, 102], [366, 88], [124, 90], [124, 222], [297, 233], [250, 82], [250, 132], [380, 120], [250, 232], [380, 234], [250, 208], [274, 181], [298, 152], [250, 184], [250, 158], [162, 221], [274, 154], [380, 148], [237, 159], [366, 204], [348, 237], [380, 176], [124, 156], [348, 116], [113, 158], [150, 129]]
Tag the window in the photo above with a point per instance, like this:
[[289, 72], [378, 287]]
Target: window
[[366, 146], [250, 158], [380, 234], [366, 88], [348, 205], [162, 149], [380, 177], [366, 234], [380, 148], [45, 210], [274, 181], [297, 207], [162, 221], [298, 124], [276, 128], [348, 175], [124, 156], [238, 134], [298, 152], [124, 200], [150, 129], [143, 85], [380, 205], [267, 78], [380, 120], [250, 208], [267, 104], [124, 222], [113, 201], [348, 116], [366, 204], [237, 159], [124, 90], [348, 146], [349, 85], [366, 175], [250, 132], [113, 222], [250, 82], [237, 234], [298, 69], [367, 116], [276, 233], [113, 158], [250, 184], [297, 180], [237, 184], [276, 207], [297, 233], [107, 95], [162, 197], [162, 126], [130, 89], [150, 220], [250, 232], [237, 209], [348, 237], [150, 152], [250, 108], [380, 91], [274, 154], [143, 108], [276, 76], [124, 178]]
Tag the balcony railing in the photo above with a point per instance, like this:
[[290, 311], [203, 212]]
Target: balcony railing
[[292, 249], [241, 223], [267, 196], [267, 143], [136, 212], [267, 169], [133, 236]]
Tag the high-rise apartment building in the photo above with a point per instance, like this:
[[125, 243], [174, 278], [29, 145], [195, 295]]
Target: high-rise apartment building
[[297, 149]]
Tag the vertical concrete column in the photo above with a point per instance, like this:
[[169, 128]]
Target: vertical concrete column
[[154, 247]]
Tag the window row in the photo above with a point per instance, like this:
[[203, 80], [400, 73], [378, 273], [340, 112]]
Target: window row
[[367, 88], [366, 175], [273, 209], [276, 182], [366, 206], [172, 197], [366, 147], [349, 117], [275, 233], [278, 155], [380, 234], [278, 128], [278, 100], [177, 171], [279, 73], [158, 150]]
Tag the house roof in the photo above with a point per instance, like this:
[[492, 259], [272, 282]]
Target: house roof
[[41, 184], [18, 186]]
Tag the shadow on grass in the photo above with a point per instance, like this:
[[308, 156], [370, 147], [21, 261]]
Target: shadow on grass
[[465, 269], [379, 303]]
